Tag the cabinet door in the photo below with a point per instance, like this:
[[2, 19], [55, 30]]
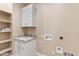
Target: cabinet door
[[28, 48], [27, 16]]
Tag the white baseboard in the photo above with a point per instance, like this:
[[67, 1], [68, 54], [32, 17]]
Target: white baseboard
[[40, 54]]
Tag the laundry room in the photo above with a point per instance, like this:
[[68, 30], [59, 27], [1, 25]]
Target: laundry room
[[39, 29]]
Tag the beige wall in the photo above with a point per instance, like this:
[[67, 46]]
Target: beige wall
[[16, 21], [61, 20], [6, 7]]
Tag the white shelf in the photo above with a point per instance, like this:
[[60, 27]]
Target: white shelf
[[4, 21], [4, 32], [5, 12], [5, 50], [28, 26], [4, 41]]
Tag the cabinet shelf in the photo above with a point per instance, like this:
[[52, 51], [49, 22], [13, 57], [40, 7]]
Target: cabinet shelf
[[4, 41], [5, 32], [4, 50], [28, 26], [5, 12], [4, 21]]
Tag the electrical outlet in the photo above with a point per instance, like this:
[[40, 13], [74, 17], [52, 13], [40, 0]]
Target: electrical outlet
[[48, 36], [59, 50]]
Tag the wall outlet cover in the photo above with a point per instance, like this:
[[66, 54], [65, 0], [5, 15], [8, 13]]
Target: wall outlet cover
[[59, 50], [48, 36]]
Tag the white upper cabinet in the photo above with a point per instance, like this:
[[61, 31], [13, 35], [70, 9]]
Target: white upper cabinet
[[28, 14]]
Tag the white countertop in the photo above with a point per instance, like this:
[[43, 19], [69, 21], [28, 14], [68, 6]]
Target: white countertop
[[24, 38]]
